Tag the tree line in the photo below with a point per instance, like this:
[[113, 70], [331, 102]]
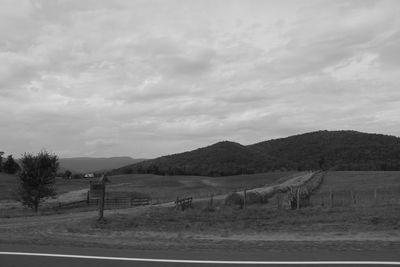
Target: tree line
[[9, 165]]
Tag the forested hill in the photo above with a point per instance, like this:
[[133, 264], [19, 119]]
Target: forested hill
[[340, 150], [223, 158], [87, 164]]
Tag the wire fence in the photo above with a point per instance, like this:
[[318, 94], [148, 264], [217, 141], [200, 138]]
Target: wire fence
[[357, 197]]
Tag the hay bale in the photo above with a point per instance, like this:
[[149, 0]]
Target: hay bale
[[234, 199]]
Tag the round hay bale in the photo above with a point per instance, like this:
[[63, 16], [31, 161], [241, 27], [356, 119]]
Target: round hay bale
[[253, 198], [234, 199]]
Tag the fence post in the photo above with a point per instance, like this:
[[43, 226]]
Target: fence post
[[279, 199], [102, 200], [245, 196], [353, 198], [331, 198], [298, 198]]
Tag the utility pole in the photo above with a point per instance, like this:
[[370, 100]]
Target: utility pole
[[103, 181]]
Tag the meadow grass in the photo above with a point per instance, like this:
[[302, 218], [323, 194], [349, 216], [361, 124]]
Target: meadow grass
[[358, 188], [256, 218], [167, 188], [359, 180], [161, 187], [363, 215]]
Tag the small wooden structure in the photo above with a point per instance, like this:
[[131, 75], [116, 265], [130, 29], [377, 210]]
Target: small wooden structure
[[98, 191]]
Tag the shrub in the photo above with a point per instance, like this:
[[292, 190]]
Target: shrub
[[234, 199], [253, 198], [10, 166]]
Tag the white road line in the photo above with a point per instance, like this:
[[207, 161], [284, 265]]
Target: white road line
[[205, 261]]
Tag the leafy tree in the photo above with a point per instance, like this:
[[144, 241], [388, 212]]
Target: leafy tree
[[37, 178], [67, 174], [322, 162], [1, 160], [10, 166]]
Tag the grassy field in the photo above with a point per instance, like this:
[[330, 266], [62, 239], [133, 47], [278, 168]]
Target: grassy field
[[220, 225], [348, 188], [167, 188], [158, 188], [363, 215], [254, 219], [360, 180], [366, 214]]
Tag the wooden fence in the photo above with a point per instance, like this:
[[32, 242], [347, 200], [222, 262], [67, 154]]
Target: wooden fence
[[70, 205], [120, 202], [112, 201], [115, 200]]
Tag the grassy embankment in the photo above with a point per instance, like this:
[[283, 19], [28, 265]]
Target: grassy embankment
[[364, 215]]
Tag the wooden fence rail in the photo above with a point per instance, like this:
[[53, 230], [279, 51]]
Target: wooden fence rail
[[70, 205], [121, 202]]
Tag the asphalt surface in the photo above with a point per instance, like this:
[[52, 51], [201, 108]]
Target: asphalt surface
[[384, 255]]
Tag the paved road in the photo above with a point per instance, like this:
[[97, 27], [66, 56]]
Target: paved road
[[44, 261]]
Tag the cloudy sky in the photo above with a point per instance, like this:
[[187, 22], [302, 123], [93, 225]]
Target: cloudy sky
[[145, 78]]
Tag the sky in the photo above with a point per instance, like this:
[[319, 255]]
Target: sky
[[146, 78]]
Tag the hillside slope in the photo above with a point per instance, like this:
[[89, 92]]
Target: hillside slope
[[341, 150], [87, 164], [221, 159]]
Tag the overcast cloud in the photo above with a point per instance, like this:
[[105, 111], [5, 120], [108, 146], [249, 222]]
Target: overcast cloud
[[146, 78]]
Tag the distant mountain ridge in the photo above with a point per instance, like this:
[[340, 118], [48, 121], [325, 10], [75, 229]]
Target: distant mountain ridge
[[340, 150], [89, 164]]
